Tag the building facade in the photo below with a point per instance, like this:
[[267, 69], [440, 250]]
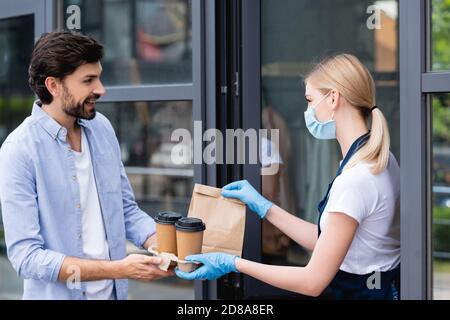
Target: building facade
[[230, 64]]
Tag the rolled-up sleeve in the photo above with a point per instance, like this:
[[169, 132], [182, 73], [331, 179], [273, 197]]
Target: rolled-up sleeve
[[25, 245]]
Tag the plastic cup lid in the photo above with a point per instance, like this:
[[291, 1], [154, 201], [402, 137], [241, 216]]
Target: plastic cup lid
[[190, 225], [167, 217]]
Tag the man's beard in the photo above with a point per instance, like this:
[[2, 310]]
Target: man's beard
[[78, 109]]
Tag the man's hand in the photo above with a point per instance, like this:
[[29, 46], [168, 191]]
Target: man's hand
[[135, 266], [142, 267]]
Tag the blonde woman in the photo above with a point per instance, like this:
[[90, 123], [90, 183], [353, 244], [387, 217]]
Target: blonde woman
[[356, 244]]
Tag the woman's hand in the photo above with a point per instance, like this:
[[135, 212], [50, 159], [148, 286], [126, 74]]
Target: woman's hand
[[215, 265], [244, 191]]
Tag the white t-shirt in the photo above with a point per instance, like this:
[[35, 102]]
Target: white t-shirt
[[373, 201], [95, 245]]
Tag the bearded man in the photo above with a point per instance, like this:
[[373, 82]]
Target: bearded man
[[67, 204]]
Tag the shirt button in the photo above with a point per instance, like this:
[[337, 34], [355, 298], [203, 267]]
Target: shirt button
[[78, 206], [74, 178], [79, 236]]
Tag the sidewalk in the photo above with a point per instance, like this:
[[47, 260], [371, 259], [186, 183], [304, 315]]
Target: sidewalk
[[10, 284], [441, 286]]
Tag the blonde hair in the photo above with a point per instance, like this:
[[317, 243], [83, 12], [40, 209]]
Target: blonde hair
[[346, 74]]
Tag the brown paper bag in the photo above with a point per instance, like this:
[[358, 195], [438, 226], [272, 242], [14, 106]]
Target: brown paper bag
[[224, 219]]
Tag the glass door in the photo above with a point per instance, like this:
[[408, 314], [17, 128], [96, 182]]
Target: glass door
[[294, 35], [439, 103], [150, 82], [21, 22]]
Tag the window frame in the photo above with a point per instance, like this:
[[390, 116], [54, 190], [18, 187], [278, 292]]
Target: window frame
[[416, 85], [41, 9], [151, 92], [251, 114], [433, 82], [193, 92], [203, 55]]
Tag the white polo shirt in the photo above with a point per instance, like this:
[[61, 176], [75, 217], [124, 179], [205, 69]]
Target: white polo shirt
[[373, 201]]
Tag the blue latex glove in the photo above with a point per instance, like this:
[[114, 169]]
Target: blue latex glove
[[215, 265], [244, 191]]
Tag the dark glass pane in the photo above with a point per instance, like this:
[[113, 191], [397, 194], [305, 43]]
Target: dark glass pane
[[16, 101], [146, 41], [144, 131], [16, 46], [440, 35], [441, 195], [295, 35]]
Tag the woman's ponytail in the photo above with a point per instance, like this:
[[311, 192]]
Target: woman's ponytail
[[376, 150]]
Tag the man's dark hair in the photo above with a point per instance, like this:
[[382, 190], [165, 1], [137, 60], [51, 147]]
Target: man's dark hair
[[58, 54]]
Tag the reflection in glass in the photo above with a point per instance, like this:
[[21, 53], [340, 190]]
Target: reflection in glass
[[295, 35], [440, 35], [144, 132], [146, 41], [441, 196], [16, 101], [16, 45]]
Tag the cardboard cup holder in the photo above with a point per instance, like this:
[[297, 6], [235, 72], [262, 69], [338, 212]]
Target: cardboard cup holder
[[169, 259]]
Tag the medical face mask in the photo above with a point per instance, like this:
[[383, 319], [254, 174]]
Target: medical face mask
[[320, 130]]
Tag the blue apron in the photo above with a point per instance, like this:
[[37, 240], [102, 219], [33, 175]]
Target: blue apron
[[350, 286]]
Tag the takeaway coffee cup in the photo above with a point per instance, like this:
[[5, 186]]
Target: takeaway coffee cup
[[189, 240], [166, 240]]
